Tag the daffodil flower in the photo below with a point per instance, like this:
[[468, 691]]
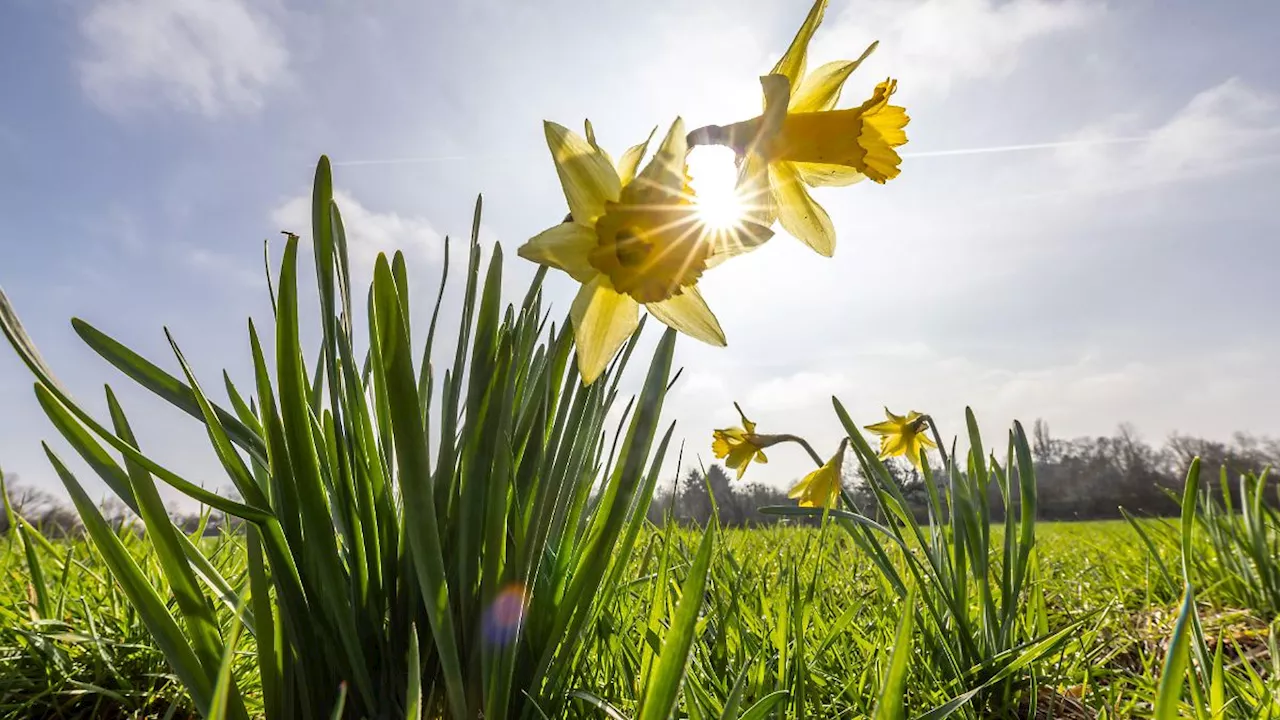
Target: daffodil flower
[[740, 446], [801, 140], [632, 239], [903, 436], [821, 488]]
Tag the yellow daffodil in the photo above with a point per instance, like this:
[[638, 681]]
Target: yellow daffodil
[[801, 140], [632, 239], [821, 488], [739, 446], [903, 436]]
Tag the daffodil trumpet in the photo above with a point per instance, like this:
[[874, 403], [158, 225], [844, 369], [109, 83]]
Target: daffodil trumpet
[[633, 238], [800, 140], [822, 487], [740, 446], [904, 435]]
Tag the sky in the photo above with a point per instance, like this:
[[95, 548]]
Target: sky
[[1084, 230]]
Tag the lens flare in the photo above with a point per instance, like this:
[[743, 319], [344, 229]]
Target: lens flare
[[503, 616], [714, 179]]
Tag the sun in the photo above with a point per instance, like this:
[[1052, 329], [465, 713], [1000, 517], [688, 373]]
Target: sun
[[714, 179]]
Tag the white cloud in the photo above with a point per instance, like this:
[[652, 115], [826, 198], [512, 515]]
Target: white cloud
[[795, 391], [211, 57], [933, 44], [368, 232], [1219, 130]]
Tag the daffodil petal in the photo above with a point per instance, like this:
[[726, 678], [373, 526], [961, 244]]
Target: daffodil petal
[[688, 313], [799, 488], [603, 319], [777, 95], [756, 192], [820, 89], [740, 457], [667, 167], [591, 140], [799, 213], [827, 175], [630, 159], [566, 247], [588, 177], [740, 240], [892, 445], [792, 62], [884, 428], [912, 451]]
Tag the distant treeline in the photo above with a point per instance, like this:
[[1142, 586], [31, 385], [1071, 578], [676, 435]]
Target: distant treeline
[[1088, 478], [54, 517]]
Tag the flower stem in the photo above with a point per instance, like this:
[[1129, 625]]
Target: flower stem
[[937, 439], [783, 437]]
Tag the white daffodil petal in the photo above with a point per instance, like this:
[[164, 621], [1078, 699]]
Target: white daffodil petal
[[603, 319], [588, 178], [799, 213], [565, 246], [689, 314]]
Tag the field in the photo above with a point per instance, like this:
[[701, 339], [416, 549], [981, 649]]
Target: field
[[417, 542], [783, 606]]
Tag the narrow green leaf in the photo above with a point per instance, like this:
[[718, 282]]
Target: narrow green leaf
[[663, 692]]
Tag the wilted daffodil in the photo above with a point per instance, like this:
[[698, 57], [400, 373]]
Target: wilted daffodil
[[821, 488], [630, 241], [800, 140], [903, 435], [740, 446]]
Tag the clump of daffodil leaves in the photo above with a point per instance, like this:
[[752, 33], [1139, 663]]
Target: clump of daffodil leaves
[[633, 236]]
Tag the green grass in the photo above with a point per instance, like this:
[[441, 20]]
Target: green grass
[[471, 541], [792, 618]]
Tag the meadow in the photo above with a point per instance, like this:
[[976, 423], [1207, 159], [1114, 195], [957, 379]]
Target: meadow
[[796, 622], [419, 542]]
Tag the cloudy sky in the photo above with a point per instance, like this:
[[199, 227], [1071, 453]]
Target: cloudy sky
[[1085, 229]]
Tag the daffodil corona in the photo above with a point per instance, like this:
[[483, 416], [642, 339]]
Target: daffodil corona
[[801, 140], [821, 488], [740, 446], [632, 240], [903, 435]]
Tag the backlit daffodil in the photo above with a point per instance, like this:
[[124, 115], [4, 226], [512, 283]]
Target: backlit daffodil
[[800, 140], [630, 241], [903, 436], [739, 446], [821, 488]]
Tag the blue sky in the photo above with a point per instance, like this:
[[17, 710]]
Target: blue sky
[[1124, 269]]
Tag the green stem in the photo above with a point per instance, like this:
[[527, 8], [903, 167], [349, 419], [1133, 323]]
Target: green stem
[[937, 439], [768, 440]]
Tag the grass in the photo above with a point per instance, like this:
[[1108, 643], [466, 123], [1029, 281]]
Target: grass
[[467, 542], [782, 631]]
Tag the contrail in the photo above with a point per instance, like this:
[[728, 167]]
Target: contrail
[[1028, 146], [1263, 132], [404, 161]]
